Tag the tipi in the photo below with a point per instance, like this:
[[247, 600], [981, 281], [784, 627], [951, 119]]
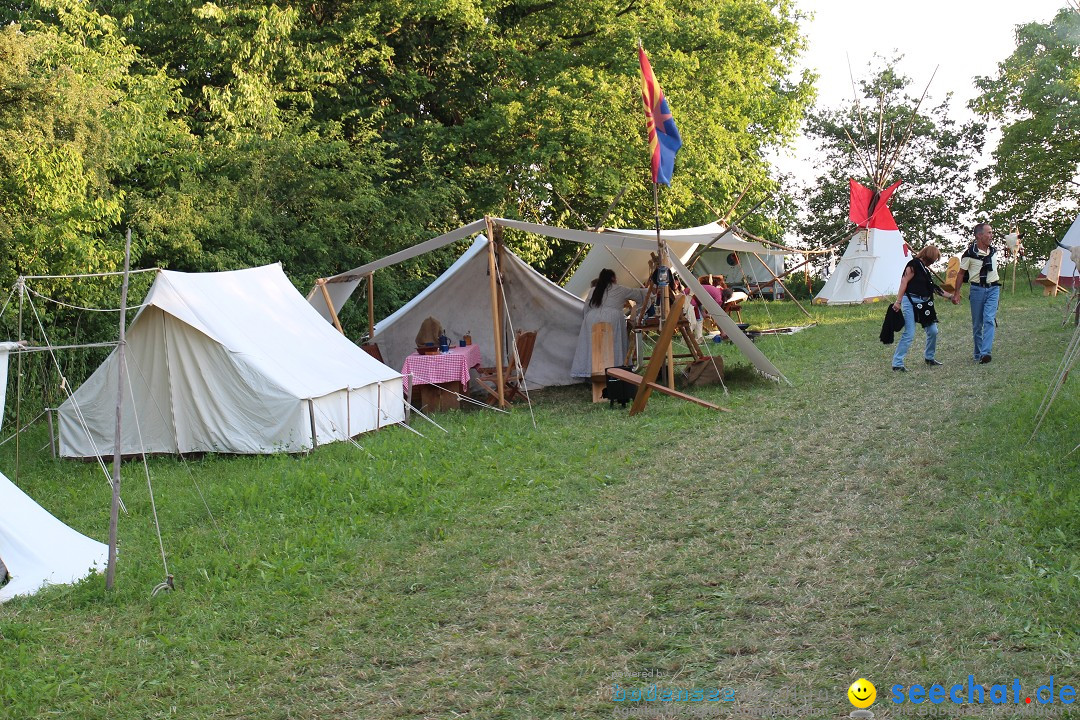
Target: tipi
[[875, 257]]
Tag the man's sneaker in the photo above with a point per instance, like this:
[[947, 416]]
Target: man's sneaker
[[899, 368], [984, 359], [934, 362]]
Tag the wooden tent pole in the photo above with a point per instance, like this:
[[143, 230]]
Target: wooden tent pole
[[777, 279], [371, 304], [496, 320], [114, 510], [665, 297], [18, 380], [321, 283]]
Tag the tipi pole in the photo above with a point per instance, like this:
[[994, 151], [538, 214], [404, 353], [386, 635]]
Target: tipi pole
[[662, 281], [493, 271], [776, 278], [114, 510]]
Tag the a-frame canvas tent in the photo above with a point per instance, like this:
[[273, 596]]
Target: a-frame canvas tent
[[336, 290], [231, 362], [1068, 276], [37, 549], [460, 299], [869, 270]]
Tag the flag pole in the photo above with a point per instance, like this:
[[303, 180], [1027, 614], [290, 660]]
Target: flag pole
[[663, 280]]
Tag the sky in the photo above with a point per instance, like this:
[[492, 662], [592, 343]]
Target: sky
[[965, 38]]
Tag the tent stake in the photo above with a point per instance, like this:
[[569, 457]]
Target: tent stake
[[495, 315], [114, 510]]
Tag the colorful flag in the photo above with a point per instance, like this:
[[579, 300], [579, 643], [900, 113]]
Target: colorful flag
[[664, 140], [870, 209]]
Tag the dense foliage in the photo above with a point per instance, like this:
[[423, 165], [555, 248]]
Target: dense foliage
[[925, 148], [326, 134], [1033, 183]]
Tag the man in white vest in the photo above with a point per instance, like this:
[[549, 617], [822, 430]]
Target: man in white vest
[[979, 265]]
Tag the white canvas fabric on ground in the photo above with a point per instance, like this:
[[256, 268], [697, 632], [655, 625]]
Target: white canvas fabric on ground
[[870, 269], [38, 549], [228, 362]]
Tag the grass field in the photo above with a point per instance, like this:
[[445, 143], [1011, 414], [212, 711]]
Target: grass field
[[858, 522]]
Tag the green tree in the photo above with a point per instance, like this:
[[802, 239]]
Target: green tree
[[73, 119], [1033, 182], [492, 106], [935, 161]]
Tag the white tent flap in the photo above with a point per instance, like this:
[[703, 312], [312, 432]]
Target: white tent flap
[[38, 549]]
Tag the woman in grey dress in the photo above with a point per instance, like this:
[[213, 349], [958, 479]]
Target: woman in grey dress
[[604, 305]]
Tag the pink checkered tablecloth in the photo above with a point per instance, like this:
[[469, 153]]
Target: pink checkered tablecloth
[[441, 367]]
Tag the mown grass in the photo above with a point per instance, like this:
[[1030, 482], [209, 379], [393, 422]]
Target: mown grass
[[857, 522]]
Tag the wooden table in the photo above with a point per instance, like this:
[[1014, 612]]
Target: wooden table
[[439, 378]]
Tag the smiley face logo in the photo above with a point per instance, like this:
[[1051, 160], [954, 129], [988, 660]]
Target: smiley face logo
[[862, 693]]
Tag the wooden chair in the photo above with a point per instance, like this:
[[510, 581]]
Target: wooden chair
[[513, 373]]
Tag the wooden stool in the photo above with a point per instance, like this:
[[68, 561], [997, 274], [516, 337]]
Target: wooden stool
[[603, 357]]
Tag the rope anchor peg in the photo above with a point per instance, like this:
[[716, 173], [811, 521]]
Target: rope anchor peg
[[167, 585]]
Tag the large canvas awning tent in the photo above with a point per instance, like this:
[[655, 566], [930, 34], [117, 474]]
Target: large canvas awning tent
[[231, 362], [460, 299], [331, 293]]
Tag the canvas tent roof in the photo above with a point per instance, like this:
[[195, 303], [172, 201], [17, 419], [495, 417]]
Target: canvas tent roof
[[38, 549], [341, 286], [227, 362], [460, 299]]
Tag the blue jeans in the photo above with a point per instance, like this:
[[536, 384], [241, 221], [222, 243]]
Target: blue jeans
[[984, 305], [909, 333]]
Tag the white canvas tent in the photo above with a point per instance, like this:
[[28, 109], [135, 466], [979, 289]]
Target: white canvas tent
[[740, 269], [38, 549], [1068, 277], [460, 299], [682, 243], [336, 290], [869, 270], [232, 362]]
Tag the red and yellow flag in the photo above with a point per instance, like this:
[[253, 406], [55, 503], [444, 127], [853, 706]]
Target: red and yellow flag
[[664, 139]]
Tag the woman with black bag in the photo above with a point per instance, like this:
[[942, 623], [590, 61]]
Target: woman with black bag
[[915, 299]]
